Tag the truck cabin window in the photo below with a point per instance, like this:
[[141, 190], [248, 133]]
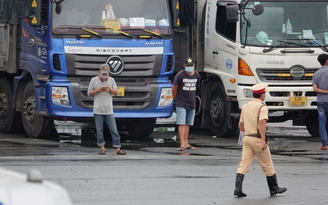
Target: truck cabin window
[[301, 24], [222, 26], [132, 16]]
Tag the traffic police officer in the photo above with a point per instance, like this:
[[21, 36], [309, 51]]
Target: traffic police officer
[[253, 118]]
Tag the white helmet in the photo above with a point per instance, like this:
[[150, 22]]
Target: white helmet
[[262, 37]]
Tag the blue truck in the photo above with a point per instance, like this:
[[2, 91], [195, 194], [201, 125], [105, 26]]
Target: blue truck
[[50, 49]]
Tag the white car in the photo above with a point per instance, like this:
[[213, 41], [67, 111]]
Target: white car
[[19, 189]]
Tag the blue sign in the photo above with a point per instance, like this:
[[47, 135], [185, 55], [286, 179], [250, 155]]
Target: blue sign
[[229, 63]]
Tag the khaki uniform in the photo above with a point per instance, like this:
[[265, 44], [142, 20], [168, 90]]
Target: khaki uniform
[[252, 146]]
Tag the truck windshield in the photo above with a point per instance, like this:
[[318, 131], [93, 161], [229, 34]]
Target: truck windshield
[[300, 22], [129, 15]]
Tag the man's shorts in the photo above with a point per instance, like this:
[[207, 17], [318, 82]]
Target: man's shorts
[[184, 116]]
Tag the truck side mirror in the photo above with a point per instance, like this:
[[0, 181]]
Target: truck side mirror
[[258, 9], [58, 8], [232, 13]]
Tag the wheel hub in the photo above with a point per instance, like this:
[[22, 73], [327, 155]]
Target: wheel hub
[[30, 110], [3, 105], [215, 109]]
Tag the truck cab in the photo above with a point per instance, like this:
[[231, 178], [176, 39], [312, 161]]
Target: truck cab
[[241, 43], [51, 50]]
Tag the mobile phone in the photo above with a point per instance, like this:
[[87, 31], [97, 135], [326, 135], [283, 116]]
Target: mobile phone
[[103, 87]]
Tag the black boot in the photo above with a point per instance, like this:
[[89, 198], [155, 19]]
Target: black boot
[[273, 186], [239, 183]]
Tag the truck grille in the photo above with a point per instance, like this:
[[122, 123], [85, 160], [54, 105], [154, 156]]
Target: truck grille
[[139, 79], [135, 65], [134, 98], [275, 75]]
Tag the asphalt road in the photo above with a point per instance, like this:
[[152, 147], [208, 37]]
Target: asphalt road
[[156, 173]]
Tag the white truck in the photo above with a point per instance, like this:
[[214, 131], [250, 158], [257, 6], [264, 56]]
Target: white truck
[[237, 44]]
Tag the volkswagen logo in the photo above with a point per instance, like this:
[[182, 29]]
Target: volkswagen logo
[[297, 72], [116, 65]]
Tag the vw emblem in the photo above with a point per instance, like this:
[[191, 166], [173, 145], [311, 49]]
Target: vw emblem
[[297, 72], [116, 65]]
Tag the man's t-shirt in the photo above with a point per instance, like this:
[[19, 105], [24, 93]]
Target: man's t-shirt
[[320, 79], [186, 95], [103, 101]]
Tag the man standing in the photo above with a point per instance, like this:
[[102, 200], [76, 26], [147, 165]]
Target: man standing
[[102, 88], [253, 118], [184, 94], [320, 86]]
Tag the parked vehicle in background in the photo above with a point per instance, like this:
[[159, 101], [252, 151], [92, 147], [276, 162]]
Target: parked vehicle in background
[[239, 43], [50, 49]]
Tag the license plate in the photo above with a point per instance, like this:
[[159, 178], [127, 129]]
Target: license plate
[[297, 101], [120, 91]]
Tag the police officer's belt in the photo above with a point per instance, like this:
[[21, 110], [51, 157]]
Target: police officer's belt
[[254, 135]]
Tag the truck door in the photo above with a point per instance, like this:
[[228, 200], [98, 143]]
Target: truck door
[[34, 57], [224, 40], [208, 39], [220, 37], [35, 33]]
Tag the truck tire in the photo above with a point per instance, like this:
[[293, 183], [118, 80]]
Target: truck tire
[[217, 111], [10, 120], [231, 132], [36, 126], [312, 124], [140, 128]]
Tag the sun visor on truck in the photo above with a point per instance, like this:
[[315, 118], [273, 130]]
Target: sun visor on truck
[[8, 11]]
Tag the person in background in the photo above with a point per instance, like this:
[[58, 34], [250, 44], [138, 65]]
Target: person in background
[[253, 118], [184, 93], [320, 86], [102, 88]]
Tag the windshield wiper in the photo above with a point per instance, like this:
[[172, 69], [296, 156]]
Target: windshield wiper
[[113, 29], [147, 31], [318, 44], [284, 43], [92, 32], [121, 32], [88, 29], [81, 28], [152, 32]]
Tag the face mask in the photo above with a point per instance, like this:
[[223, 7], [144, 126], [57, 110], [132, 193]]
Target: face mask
[[190, 69], [104, 77]]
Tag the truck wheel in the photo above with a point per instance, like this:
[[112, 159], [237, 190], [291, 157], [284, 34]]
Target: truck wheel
[[36, 126], [140, 128], [217, 111], [10, 121], [312, 124], [231, 132]]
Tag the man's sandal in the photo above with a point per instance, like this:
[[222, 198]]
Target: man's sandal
[[121, 152], [191, 148], [102, 152], [181, 149]]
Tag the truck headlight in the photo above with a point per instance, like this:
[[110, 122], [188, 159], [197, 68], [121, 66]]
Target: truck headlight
[[248, 93], [60, 96], [166, 97]]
